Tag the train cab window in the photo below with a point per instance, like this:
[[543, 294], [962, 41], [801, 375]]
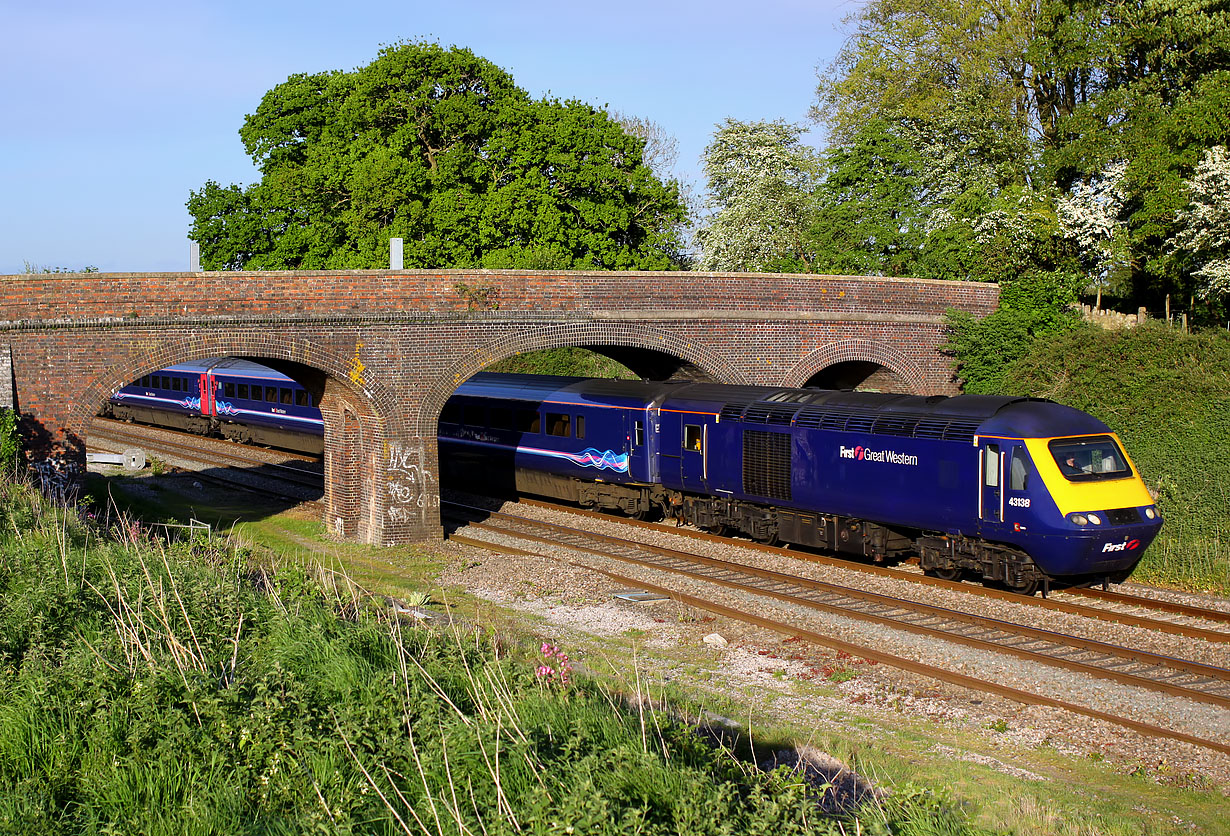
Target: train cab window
[[451, 414], [693, 438], [242, 391], [228, 389], [1018, 479], [528, 421], [271, 394], [580, 424], [559, 424], [302, 398], [1089, 459], [991, 467], [287, 396]]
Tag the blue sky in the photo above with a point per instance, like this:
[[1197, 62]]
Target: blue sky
[[114, 111]]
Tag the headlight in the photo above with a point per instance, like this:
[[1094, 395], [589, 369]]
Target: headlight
[[1151, 512], [1095, 519], [1079, 519]]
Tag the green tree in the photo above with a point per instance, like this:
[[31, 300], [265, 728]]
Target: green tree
[[440, 148], [870, 214]]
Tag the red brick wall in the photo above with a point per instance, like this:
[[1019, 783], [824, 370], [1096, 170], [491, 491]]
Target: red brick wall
[[393, 346]]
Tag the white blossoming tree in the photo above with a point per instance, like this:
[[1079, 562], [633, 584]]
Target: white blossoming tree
[[761, 177], [1204, 234], [1092, 214]]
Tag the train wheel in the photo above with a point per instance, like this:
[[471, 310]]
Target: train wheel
[[1026, 588], [954, 573]]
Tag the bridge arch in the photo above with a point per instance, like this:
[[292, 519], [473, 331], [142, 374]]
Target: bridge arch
[[632, 344], [353, 403], [858, 357]]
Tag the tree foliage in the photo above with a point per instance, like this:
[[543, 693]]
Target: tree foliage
[[760, 180], [440, 148], [1104, 108]]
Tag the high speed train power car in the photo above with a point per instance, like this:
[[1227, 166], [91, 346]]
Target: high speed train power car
[[1016, 491], [236, 399]]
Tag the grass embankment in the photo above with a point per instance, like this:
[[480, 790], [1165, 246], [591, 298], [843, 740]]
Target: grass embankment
[[1167, 395], [183, 689]]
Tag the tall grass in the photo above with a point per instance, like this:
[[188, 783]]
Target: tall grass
[[169, 689]]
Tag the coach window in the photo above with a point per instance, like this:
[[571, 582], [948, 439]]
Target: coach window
[[560, 424], [580, 422], [177, 385], [243, 391], [527, 421], [271, 394], [302, 398], [502, 418], [474, 415], [228, 390], [287, 397], [692, 438]]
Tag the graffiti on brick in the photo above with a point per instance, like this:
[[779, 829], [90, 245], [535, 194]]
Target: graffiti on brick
[[59, 478], [412, 488]]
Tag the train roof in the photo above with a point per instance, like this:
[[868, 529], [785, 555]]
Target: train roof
[[960, 417], [229, 366]]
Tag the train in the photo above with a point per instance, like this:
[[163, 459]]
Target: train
[[1019, 492], [1022, 493], [227, 398]]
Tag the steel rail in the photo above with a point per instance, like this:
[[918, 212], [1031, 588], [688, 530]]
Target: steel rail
[[951, 677], [205, 452], [1100, 613], [1110, 596], [1059, 642]]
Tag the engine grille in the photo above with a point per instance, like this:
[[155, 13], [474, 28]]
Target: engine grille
[[766, 464]]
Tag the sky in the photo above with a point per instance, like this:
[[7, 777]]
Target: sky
[[114, 112]]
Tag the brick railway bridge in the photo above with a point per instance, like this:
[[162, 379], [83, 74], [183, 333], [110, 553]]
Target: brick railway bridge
[[383, 350]]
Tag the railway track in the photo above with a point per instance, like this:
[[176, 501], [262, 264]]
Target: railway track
[[1134, 610], [256, 469], [1175, 677]]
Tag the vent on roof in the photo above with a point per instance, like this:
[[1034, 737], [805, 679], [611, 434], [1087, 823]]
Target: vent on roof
[[732, 411], [766, 413], [860, 423], [929, 428], [766, 464], [896, 425], [961, 431]]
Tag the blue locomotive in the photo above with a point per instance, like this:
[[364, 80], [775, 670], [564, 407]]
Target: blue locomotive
[[1017, 491], [235, 399]]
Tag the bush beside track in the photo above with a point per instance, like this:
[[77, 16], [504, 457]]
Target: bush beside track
[[147, 688], [1167, 394]]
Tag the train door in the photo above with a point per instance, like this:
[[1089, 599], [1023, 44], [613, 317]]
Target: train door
[[694, 467], [991, 495], [1018, 475], [206, 392], [642, 463]]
